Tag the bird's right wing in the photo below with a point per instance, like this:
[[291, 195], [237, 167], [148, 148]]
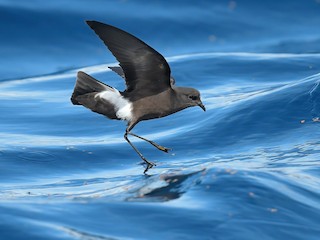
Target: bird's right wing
[[146, 71]]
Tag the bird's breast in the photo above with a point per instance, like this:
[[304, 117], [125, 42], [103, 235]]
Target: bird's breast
[[155, 106]]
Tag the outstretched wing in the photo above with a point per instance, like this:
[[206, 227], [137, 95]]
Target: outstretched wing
[[120, 72], [146, 71]]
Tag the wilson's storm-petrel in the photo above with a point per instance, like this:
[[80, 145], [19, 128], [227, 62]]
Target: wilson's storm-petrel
[[150, 91]]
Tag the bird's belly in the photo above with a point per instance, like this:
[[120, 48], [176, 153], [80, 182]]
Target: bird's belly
[[153, 114]]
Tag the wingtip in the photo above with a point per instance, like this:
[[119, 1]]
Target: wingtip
[[79, 73], [89, 22], [95, 24]]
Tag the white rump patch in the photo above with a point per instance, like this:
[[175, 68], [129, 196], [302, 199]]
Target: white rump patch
[[122, 106]]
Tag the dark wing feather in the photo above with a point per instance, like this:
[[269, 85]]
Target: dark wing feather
[[119, 71], [146, 71]]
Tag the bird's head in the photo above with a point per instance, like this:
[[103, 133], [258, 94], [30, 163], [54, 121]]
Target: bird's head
[[190, 97]]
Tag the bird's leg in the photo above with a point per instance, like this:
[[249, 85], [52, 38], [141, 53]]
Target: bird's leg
[[161, 148], [149, 164]]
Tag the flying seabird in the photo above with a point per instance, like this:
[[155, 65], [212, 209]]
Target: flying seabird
[[151, 92]]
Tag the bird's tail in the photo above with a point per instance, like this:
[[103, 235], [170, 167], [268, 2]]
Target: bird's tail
[[86, 84]]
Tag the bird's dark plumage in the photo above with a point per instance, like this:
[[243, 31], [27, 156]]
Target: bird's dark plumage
[[150, 91], [86, 84], [146, 71], [120, 72]]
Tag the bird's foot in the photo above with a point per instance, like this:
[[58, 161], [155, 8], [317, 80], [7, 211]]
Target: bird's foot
[[161, 148], [149, 165]]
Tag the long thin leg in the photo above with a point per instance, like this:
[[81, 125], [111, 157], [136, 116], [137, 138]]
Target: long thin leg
[[159, 147], [149, 164]]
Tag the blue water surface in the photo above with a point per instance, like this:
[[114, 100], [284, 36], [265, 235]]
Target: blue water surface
[[247, 168]]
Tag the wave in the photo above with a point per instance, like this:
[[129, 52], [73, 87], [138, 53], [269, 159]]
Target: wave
[[230, 105]]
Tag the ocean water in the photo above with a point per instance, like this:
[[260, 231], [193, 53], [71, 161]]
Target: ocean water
[[247, 168]]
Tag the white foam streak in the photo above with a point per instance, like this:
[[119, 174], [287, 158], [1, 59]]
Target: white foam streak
[[229, 95], [241, 54], [104, 67]]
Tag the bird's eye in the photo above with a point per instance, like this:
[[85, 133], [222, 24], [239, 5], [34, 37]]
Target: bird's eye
[[193, 97]]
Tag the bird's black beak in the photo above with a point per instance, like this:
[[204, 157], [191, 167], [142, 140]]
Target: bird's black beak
[[200, 104]]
